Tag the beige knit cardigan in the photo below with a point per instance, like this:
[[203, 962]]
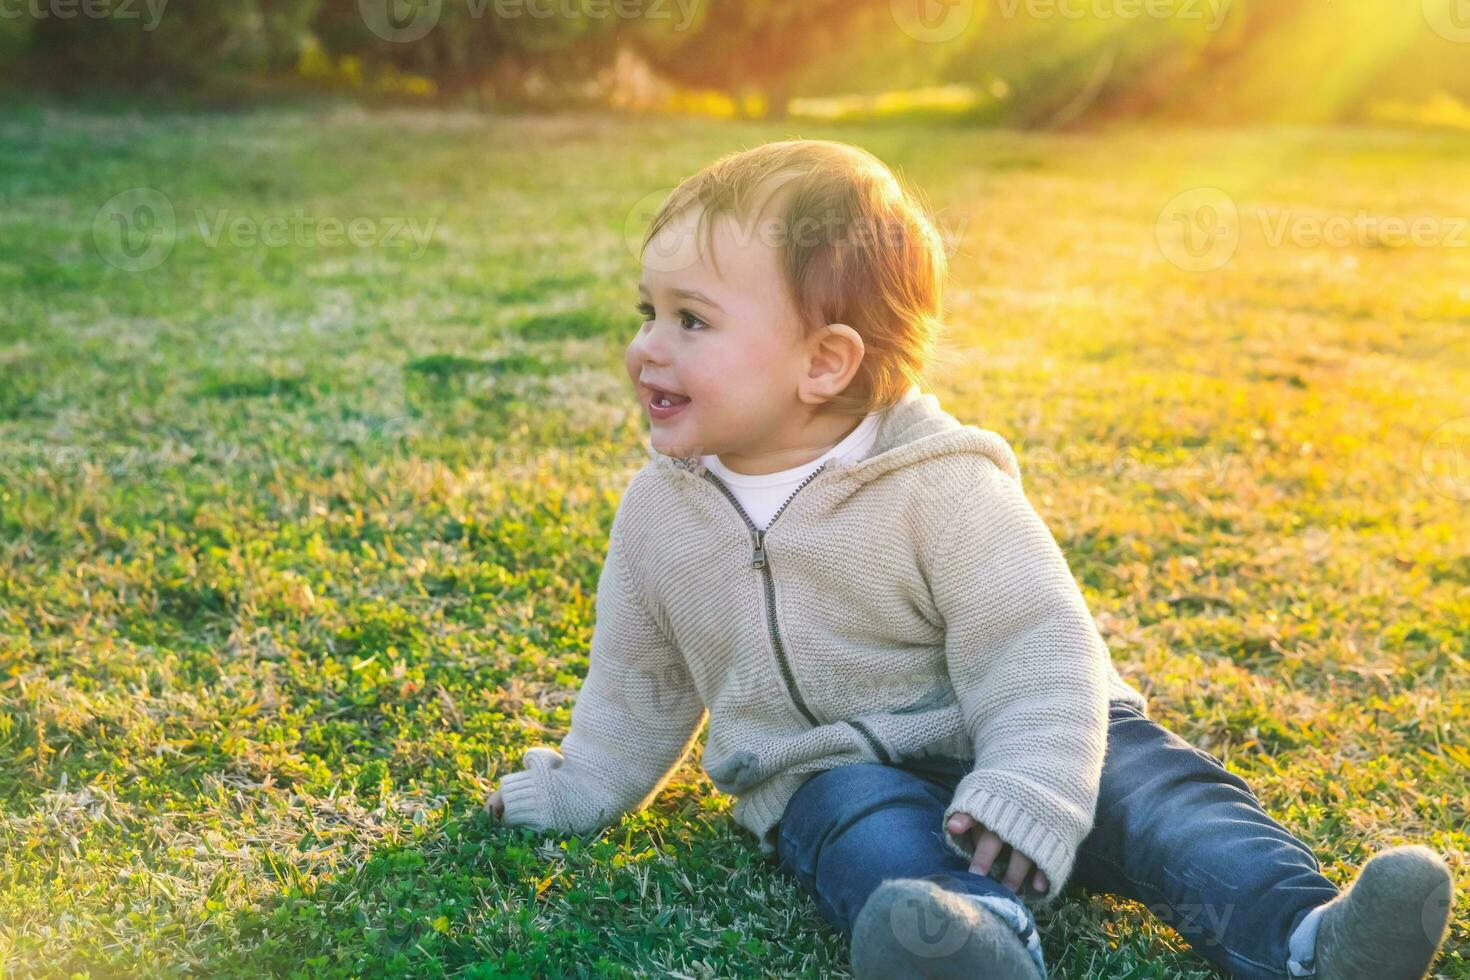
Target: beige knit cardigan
[[906, 604]]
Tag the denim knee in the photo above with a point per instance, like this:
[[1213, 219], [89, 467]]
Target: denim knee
[[839, 797]]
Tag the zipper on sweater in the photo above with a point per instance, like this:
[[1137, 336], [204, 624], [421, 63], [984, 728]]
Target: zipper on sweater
[[758, 560], [873, 742]]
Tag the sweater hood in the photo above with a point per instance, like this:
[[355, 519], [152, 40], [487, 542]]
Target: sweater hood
[[915, 428]]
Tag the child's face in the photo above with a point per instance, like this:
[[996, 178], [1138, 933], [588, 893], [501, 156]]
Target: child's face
[[731, 341]]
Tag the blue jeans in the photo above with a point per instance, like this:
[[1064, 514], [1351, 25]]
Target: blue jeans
[[1174, 830]]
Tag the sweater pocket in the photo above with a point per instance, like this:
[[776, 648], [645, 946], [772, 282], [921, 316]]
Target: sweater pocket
[[737, 773], [938, 731], [738, 762]]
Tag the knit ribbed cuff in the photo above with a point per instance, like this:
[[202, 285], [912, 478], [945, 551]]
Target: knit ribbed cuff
[[523, 806], [1053, 855]]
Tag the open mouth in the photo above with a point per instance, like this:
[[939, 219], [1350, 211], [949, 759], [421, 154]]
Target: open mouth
[[664, 404]]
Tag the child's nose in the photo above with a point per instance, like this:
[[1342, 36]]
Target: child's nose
[[648, 346]]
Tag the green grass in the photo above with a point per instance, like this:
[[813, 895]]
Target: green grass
[[298, 543]]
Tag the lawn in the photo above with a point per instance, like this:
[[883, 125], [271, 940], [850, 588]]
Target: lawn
[[308, 453]]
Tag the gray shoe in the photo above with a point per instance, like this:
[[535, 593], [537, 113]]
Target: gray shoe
[[1389, 923], [911, 927]]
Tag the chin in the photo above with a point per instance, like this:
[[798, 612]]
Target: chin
[[673, 451], [673, 448]]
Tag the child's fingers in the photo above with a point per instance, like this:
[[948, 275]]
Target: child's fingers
[[961, 825], [986, 849], [1016, 871], [495, 804], [1039, 879]]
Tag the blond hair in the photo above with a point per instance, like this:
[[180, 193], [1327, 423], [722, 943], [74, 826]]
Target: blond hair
[[856, 247]]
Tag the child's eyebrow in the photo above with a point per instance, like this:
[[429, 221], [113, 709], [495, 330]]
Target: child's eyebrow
[[696, 295], [693, 294]]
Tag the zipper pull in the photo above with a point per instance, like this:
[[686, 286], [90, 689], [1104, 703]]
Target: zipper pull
[[758, 559]]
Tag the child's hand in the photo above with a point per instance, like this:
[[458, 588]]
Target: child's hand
[[988, 846], [495, 805]]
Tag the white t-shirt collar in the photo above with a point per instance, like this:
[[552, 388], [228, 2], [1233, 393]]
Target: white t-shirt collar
[[858, 439]]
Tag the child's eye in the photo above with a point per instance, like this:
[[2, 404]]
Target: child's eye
[[686, 319]]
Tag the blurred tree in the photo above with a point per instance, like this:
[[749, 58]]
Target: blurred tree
[[140, 44], [476, 49], [1037, 63], [764, 52], [1207, 60], [15, 39]]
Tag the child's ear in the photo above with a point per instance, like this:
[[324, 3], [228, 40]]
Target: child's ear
[[834, 353]]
